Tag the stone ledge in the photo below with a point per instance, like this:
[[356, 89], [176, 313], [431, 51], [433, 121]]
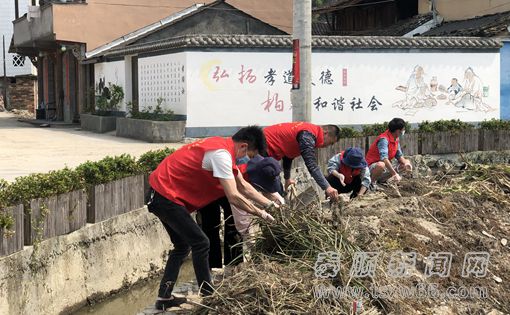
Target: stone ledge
[[151, 131], [90, 263], [98, 124]]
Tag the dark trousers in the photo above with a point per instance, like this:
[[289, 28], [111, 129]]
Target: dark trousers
[[353, 186], [186, 235], [210, 221]]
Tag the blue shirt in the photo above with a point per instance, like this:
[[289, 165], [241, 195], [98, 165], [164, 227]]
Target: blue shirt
[[382, 145]]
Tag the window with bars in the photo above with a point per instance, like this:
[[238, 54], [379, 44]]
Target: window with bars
[[18, 61]]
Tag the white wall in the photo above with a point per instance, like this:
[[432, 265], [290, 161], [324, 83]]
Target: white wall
[[163, 76], [7, 15], [112, 72], [213, 101]]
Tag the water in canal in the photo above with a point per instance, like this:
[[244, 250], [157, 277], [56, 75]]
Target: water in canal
[[137, 298]]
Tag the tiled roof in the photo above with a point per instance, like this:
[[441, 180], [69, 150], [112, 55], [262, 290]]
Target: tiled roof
[[338, 5], [400, 28], [321, 42], [484, 26]]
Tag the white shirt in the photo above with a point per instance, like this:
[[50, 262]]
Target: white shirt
[[219, 162]]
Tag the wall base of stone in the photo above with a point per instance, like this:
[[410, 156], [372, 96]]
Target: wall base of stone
[[151, 131], [98, 124], [93, 262]]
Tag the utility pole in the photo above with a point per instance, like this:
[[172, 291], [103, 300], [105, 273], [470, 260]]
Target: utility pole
[[5, 74], [301, 94]]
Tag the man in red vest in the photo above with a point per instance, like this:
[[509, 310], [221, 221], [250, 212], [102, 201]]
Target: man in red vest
[[386, 148], [187, 180], [289, 140], [348, 172]]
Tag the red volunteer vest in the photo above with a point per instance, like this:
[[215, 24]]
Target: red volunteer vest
[[347, 171], [181, 179], [373, 152], [281, 138]]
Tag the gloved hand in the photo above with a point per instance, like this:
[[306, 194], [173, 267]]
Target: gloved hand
[[266, 216]]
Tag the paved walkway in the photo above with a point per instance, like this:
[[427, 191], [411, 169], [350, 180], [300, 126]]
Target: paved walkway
[[26, 149]]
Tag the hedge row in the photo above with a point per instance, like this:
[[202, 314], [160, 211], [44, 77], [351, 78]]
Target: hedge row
[[41, 185], [426, 127]]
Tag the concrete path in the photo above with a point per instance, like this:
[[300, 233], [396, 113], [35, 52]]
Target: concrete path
[[25, 149]]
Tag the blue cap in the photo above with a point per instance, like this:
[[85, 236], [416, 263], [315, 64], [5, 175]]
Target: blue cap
[[354, 158], [264, 172]]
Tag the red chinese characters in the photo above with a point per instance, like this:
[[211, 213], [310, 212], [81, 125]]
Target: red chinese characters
[[247, 75], [273, 100]]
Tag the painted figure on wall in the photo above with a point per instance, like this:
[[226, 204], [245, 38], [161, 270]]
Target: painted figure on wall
[[468, 96], [454, 89], [418, 93], [471, 95]]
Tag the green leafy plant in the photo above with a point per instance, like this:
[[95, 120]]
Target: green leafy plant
[[109, 98], [42, 185], [132, 107], [150, 160], [117, 95], [495, 124], [374, 129], [108, 169], [348, 132], [6, 220], [149, 113], [101, 103], [444, 125]]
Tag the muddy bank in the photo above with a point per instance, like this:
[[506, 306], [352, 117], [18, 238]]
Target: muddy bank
[[429, 245]]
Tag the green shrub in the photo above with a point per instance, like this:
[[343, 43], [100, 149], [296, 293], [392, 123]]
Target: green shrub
[[375, 129], [117, 95], [149, 113], [6, 220], [42, 185], [495, 124], [109, 97], [444, 125], [108, 169], [348, 132], [150, 160], [3, 187]]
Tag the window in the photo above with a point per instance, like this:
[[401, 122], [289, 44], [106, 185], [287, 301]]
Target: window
[[18, 61]]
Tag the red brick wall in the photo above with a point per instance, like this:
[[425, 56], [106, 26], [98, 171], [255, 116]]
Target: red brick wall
[[23, 93]]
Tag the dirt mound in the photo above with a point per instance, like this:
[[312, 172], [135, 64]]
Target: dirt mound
[[439, 245]]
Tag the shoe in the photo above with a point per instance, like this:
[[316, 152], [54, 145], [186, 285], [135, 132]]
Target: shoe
[[172, 302], [373, 187], [206, 289]]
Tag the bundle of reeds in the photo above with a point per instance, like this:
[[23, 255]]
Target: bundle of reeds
[[488, 181], [280, 278], [269, 287]]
